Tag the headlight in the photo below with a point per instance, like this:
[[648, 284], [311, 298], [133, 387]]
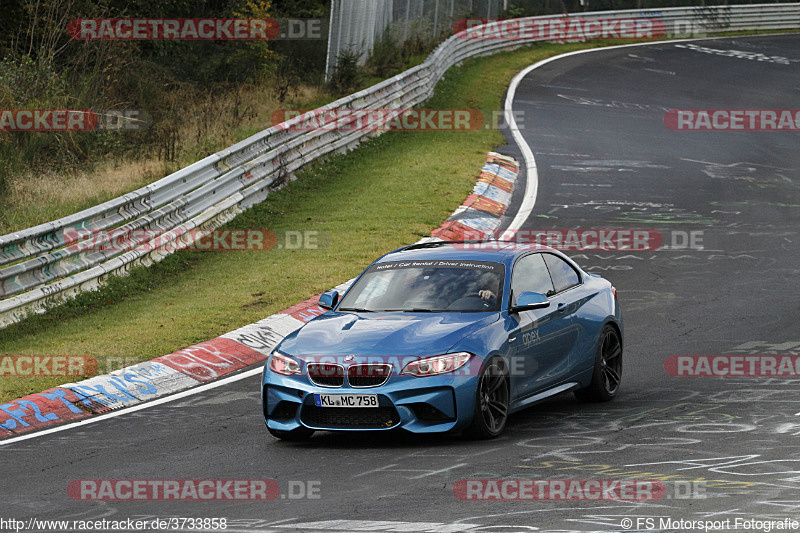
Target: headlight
[[433, 366], [285, 366]]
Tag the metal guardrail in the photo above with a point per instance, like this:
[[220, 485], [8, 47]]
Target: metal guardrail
[[43, 265]]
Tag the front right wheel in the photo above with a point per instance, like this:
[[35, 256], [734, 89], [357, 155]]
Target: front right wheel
[[607, 368]]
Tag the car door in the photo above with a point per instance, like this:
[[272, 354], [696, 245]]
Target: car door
[[539, 355], [567, 299]]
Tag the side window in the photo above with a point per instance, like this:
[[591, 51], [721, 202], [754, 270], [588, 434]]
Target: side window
[[530, 274], [564, 276]]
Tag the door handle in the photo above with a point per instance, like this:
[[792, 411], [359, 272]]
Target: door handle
[[512, 339], [561, 307]]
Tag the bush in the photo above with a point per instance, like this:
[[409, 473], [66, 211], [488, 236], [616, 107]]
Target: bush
[[385, 59], [347, 76]]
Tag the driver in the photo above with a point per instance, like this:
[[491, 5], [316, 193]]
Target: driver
[[487, 294], [490, 283]]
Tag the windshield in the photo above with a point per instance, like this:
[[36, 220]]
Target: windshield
[[427, 286]]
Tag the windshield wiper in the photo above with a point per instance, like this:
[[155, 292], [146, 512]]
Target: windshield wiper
[[414, 310], [356, 309]]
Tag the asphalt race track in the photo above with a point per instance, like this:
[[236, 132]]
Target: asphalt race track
[[725, 448]]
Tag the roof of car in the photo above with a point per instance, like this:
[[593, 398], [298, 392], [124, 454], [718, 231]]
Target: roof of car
[[497, 251]]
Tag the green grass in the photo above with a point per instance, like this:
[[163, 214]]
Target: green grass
[[390, 192]]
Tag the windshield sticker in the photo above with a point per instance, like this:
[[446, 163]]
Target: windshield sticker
[[485, 266]]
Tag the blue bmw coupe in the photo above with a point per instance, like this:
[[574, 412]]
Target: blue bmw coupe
[[447, 336]]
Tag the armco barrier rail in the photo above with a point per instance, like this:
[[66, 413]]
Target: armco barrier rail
[[41, 266]]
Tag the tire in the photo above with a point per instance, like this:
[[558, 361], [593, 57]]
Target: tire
[[295, 435], [607, 374], [491, 401]]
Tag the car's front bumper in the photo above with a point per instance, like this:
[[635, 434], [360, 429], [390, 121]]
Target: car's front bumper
[[419, 405]]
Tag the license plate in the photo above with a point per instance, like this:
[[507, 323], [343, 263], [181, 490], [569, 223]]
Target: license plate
[[346, 400]]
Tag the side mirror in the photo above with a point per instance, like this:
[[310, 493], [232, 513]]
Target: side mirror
[[530, 300], [329, 299]]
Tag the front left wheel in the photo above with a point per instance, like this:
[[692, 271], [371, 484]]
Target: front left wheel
[[491, 401]]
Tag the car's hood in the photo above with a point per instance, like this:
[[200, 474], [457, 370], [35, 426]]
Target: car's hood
[[398, 334]]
